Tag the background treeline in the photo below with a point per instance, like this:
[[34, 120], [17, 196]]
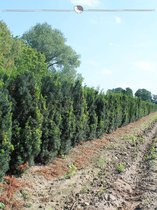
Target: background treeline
[[44, 107]]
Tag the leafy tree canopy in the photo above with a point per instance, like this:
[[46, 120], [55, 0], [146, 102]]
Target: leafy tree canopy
[[154, 99], [51, 42], [116, 90], [6, 47], [128, 91], [144, 94], [16, 57]]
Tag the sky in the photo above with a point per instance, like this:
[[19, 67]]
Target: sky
[[117, 49]]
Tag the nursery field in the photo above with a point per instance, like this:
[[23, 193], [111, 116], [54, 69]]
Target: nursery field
[[117, 171], [65, 145]]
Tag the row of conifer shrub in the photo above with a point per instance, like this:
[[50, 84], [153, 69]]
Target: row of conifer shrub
[[40, 120]]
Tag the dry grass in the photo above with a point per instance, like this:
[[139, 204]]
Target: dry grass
[[10, 187]]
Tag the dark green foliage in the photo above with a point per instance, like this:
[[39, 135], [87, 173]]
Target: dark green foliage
[[100, 111], [27, 119], [50, 137], [132, 109], [115, 111], [109, 119], [30, 59], [80, 112], [125, 110], [129, 92], [91, 97], [51, 110], [5, 131], [68, 125]]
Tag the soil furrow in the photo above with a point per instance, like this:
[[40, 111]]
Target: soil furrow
[[136, 188], [121, 176]]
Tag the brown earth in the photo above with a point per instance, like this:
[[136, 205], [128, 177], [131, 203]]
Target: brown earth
[[117, 172]]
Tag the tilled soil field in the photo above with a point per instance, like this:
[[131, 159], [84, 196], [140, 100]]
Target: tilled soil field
[[133, 188], [118, 172]]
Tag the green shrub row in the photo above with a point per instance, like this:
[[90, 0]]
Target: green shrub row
[[39, 121]]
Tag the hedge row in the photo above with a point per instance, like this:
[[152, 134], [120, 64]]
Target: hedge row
[[40, 120]]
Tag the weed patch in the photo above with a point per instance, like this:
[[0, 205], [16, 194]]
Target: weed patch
[[120, 167], [71, 171], [101, 163]]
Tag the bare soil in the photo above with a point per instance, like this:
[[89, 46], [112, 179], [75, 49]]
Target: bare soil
[[117, 172]]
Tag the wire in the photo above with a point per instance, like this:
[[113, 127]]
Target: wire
[[72, 10]]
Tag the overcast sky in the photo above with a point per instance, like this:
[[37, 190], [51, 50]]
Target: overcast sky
[[117, 49]]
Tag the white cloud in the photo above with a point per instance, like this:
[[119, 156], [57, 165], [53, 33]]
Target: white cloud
[[146, 66], [118, 20], [85, 2], [106, 72]]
